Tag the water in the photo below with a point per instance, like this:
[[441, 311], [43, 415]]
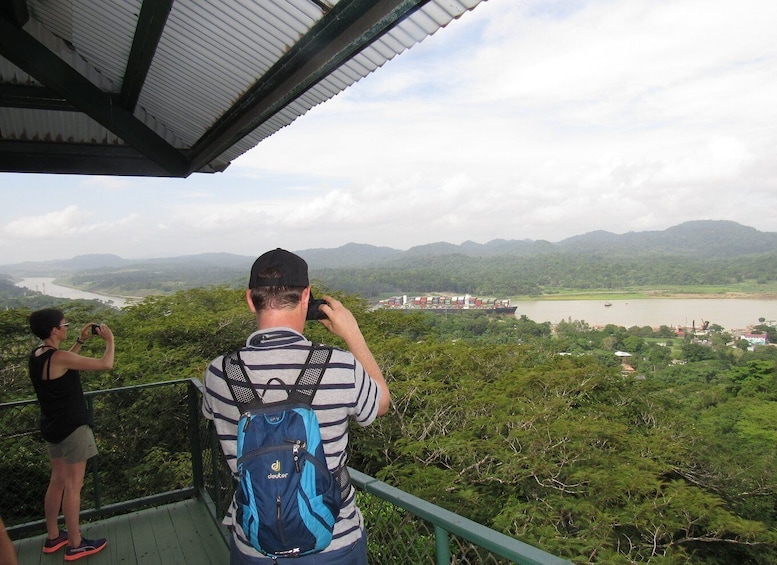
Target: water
[[46, 286], [730, 313]]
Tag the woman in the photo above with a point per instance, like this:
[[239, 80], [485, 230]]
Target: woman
[[65, 423]]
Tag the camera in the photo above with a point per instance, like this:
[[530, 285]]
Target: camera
[[313, 312], [95, 327]]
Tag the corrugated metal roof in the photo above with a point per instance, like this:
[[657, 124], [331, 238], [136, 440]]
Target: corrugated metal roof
[[190, 85]]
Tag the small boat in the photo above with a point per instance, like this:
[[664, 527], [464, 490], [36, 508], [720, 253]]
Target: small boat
[[607, 304]]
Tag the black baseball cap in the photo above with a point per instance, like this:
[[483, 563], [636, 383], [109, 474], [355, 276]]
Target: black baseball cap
[[293, 269]]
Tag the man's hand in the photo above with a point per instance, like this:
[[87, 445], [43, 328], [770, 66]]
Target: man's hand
[[339, 319], [341, 322]]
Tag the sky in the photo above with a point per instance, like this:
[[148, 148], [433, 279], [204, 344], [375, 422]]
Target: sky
[[523, 119]]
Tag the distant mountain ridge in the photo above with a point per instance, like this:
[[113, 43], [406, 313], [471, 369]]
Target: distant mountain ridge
[[349, 255], [698, 239], [712, 239]]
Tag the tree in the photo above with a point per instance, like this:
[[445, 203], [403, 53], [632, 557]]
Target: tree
[[696, 352], [560, 451]]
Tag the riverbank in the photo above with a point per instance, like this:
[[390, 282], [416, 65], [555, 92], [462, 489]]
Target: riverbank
[[747, 291], [49, 286], [755, 292]]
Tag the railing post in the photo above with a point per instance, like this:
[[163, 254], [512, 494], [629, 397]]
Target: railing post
[[195, 446], [442, 546], [214, 453], [95, 461]]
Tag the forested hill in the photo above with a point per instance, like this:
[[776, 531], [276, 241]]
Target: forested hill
[[709, 239], [692, 253]]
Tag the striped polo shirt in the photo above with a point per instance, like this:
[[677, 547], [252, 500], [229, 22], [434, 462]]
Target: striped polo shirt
[[346, 391]]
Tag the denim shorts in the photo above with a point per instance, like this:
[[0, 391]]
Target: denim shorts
[[354, 554], [78, 446]]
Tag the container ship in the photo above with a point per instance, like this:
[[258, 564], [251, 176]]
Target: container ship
[[448, 304]]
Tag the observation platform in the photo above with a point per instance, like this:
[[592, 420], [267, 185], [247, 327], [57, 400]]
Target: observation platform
[[178, 533], [159, 487]]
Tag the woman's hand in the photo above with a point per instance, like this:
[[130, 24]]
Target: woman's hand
[[86, 333], [103, 331]]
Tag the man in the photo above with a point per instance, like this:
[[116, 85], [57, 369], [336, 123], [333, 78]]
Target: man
[[65, 423], [352, 386]]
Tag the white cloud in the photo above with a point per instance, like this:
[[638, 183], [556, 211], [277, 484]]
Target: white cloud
[[529, 119], [50, 225]]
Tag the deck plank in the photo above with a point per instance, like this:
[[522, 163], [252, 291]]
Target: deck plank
[[143, 539], [180, 533], [197, 533], [32, 553], [119, 549]]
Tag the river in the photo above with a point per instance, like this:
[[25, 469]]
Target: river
[[46, 286], [730, 313]]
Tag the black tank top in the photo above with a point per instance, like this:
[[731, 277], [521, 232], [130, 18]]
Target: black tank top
[[62, 404]]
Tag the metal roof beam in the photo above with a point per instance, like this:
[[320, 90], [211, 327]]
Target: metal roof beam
[[151, 23], [80, 159], [16, 11], [33, 97], [336, 37], [32, 57]]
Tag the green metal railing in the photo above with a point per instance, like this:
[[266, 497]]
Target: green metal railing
[[155, 448], [449, 524], [131, 435]]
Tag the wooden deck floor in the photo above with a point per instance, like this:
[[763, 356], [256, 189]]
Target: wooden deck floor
[[183, 532]]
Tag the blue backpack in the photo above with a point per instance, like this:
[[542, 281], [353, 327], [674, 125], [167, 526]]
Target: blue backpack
[[287, 498]]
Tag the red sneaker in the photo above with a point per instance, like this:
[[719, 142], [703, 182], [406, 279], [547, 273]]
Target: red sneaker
[[52, 545], [87, 547]]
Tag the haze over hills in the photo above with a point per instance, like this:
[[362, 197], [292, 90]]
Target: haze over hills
[[698, 239]]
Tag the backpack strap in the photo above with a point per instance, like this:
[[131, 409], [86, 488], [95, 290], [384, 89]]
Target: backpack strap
[[303, 391], [239, 384], [310, 377]]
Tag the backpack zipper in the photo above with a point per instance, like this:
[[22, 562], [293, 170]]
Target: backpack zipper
[[278, 516]]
